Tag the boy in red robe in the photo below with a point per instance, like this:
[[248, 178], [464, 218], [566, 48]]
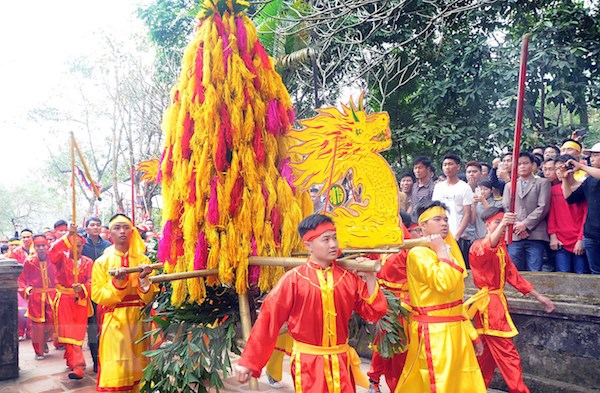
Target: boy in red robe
[[36, 285], [316, 300], [492, 269], [72, 304]]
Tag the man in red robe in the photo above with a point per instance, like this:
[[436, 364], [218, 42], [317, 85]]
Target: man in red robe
[[72, 304], [36, 285], [492, 268], [316, 300]]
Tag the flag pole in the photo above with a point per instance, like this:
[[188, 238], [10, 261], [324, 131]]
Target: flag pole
[[133, 194], [73, 206], [518, 130]]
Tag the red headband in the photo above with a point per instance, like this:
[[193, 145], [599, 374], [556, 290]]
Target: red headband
[[61, 228], [413, 226], [318, 231], [499, 215], [40, 240]]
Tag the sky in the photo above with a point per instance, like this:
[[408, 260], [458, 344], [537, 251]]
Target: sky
[[38, 39]]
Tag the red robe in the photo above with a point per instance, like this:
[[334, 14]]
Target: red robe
[[71, 311], [36, 285], [392, 277], [317, 305], [492, 269]]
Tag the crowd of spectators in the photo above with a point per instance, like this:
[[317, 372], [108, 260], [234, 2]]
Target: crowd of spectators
[[557, 202]]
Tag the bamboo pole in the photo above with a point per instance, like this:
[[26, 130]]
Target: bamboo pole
[[290, 262], [183, 275], [385, 249], [136, 269], [246, 327]]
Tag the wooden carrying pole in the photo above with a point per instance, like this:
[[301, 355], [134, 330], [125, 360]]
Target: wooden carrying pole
[[518, 130], [246, 322], [289, 262]]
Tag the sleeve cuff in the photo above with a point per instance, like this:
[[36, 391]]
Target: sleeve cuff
[[114, 283], [373, 296]]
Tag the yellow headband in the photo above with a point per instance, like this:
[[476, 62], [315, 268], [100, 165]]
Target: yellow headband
[[14, 242], [26, 233], [572, 145], [431, 212], [120, 220]]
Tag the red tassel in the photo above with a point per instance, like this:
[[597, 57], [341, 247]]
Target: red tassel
[[284, 121], [273, 121], [188, 131], [226, 127], [221, 153], [236, 196], [257, 144], [198, 88], [179, 251], [159, 173], [192, 195], [201, 254], [276, 221], [264, 58], [213, 203]]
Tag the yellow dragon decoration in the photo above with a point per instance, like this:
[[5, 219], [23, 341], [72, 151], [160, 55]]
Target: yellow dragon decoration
[[340, 150]]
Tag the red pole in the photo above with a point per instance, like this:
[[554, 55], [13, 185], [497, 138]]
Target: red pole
[[518, 129], [133, 195]]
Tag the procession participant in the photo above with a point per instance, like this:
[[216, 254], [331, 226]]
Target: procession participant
[[123, 297], [36, 285], [440, 357], [72, 303], [24, 248], [392, 277], [316, 300], [93, 248], [492, 269], [60, 228]]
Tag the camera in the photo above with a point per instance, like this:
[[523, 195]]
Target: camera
[[568, 167]]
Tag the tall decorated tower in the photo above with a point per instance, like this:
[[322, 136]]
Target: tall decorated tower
[[226, 179]]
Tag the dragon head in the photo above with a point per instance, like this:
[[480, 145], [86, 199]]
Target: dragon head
[[334, 141]]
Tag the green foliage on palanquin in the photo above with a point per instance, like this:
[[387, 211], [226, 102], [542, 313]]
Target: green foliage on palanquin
[[387, 335], [196, 342]]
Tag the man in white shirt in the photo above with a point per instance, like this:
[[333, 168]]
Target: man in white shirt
[[458, 197]]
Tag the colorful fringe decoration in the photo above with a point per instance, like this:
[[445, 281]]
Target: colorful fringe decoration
[[226, 180]]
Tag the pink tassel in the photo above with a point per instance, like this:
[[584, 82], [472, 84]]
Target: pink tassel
[[276, 222], [213, 203], [273, 120], [201, 254], [188, 131], [165, 243], [257, 144], [198, 88], [285, 170], [242, 37], [227, 51], [192, 195], [236, 196]]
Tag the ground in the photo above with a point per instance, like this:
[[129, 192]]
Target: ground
[[50, 376]]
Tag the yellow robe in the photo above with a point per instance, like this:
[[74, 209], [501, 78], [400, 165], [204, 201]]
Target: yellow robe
[[440, 358], [121, 359]]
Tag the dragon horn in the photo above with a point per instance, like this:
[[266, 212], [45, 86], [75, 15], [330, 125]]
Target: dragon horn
[[353, 109]]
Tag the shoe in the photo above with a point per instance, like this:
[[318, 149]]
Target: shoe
[[373, 387], [46, 349], [77, 373], [21, 338], [273, 383], [39, 357]]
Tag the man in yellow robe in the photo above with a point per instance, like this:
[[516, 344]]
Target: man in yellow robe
[[122, 296], [441, 354]]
